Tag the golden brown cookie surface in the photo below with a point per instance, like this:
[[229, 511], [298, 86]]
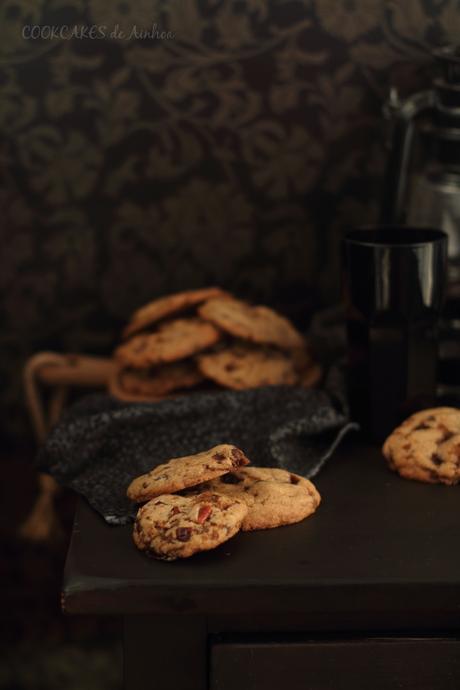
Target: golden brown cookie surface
[[167, 306], [256, 323], [426, 447], [244, 366], [180, 473], [172, 341], [171, 526], [274, 496]]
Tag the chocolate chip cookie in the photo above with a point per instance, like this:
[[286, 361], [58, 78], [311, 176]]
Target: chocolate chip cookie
[[167, 306], [172, 526], [172, 341], [426, 447], [247, 366], [258, 324], [274, 496], [180, 473], [154, 383]]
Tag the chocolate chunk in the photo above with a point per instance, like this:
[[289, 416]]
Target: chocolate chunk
[[230, 367], [230, 479], [446, 433], [219, 457], [160, 477], [183, 533], [294, 479], [406, 446], [175, 510], [436, 459], [238, 457], [421, 426]]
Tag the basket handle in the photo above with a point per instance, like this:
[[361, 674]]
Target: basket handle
[[58, 372]]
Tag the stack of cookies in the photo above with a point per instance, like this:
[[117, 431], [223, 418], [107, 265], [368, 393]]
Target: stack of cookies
[[207, 338], [197, 502]]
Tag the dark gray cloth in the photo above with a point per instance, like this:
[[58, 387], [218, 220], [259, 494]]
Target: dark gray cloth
[[100, 444]]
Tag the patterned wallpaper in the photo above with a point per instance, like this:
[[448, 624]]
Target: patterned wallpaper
[[153, 145]]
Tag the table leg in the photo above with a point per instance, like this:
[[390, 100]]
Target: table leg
[[165, 653]]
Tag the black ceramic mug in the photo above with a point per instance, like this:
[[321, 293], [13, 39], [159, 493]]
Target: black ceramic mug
[[394, 284]]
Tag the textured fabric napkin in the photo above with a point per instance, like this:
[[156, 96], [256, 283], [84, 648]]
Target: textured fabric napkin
[[100, 444]]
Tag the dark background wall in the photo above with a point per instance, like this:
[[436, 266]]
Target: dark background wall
[[232, 153]]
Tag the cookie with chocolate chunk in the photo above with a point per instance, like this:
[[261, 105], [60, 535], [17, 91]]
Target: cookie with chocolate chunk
[[426, 447], [167, 306], [255, 323], [172, 526], [274, 496], [180, 473], [154, 383], [248, 366], [172, 341]]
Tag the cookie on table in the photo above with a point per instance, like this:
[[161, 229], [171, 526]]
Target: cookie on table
[[172, 341], [426, 447], [167, 306], [257, 324], [172, 526], [274, 496], [246, 366], [155, 383], [180, 473]]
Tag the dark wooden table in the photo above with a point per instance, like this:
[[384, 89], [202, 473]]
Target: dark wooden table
[[365, 594]]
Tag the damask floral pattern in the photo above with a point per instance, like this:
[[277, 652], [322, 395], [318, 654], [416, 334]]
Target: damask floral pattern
[[230, 145], [123, 14], [349, 19]]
